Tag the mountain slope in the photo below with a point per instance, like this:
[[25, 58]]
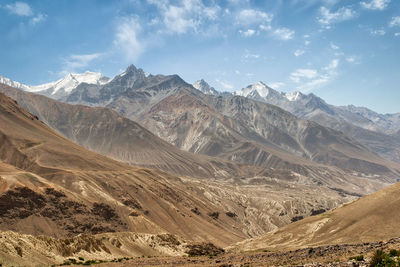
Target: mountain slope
[[205, 88], [54, 187], [98, 194], [369, 128], [372, 218], [183, 116], [106, 132]]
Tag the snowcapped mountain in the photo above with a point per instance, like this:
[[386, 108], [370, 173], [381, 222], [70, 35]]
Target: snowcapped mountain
[[205, 88], [61, 87], [12, 83], [260, 91]]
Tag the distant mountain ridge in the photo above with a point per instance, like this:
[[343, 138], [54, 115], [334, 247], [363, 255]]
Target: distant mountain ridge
[[156, 101], [376, 131], [61, 87]]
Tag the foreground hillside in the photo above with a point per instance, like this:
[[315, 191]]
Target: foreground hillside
[[371, 218], [54, 187]]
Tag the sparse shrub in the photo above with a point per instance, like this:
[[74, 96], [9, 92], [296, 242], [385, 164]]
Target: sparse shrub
[[195, 210], [357, 258], [203, 249], [297, 218], [381, 259], [394, 253], [231, 214], [81, 259], [214, 215]]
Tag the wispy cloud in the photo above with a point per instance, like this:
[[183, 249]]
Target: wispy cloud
[[353, 59], [186, 16], [300, 74], [127, 38], [77, 62], [312, 79], [20, 9], [38, 18], [25, 10], [334, 47], [248, 33], [375, 4], [253, 16], [283, 34], [276, 85], [327, 17], [378, 32], [248, 55], [395, 22], [225, 84], [299, 52]]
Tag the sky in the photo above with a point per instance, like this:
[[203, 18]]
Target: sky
[[345, 51]]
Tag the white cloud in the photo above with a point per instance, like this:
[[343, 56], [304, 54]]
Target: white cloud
[[225, 85], [248, 55], [353, 59], [376, 4], [24, 10], [299, 52], [177, 20], [20, 9], [283, 34], [333, 65], [78, 61], [127, 38], [379, 32], [307, 43], [188, 15], [248, 33], [253, 16], [394, 22], [299, 74], [276, 85], [327, 17], [38, 18], [397, 34], [334, 47], [316, 79]]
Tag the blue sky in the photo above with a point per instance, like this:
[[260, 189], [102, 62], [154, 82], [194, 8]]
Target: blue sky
[[347, 52]]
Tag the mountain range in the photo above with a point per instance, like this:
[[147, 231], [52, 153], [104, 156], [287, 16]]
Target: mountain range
[[231, 127], [180, 163]]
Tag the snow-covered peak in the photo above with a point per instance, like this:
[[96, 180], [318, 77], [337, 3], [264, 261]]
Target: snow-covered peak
[[205, 88], [66, 84], [259, 87], [294, 96], [12, 83]]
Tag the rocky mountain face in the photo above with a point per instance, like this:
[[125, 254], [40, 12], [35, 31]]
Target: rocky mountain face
[[53, 187], [106, 132], [205, 88], [371, 129], [231, 127]]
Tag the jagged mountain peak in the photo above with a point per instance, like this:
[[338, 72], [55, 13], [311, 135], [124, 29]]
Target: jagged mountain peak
[[258, 90], [205, 88]]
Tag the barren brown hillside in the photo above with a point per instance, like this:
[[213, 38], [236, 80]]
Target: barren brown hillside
[[372, 218]]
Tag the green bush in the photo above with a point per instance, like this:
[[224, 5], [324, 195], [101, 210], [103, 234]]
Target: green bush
[[358, 258], [382, 259], [394, 253]]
